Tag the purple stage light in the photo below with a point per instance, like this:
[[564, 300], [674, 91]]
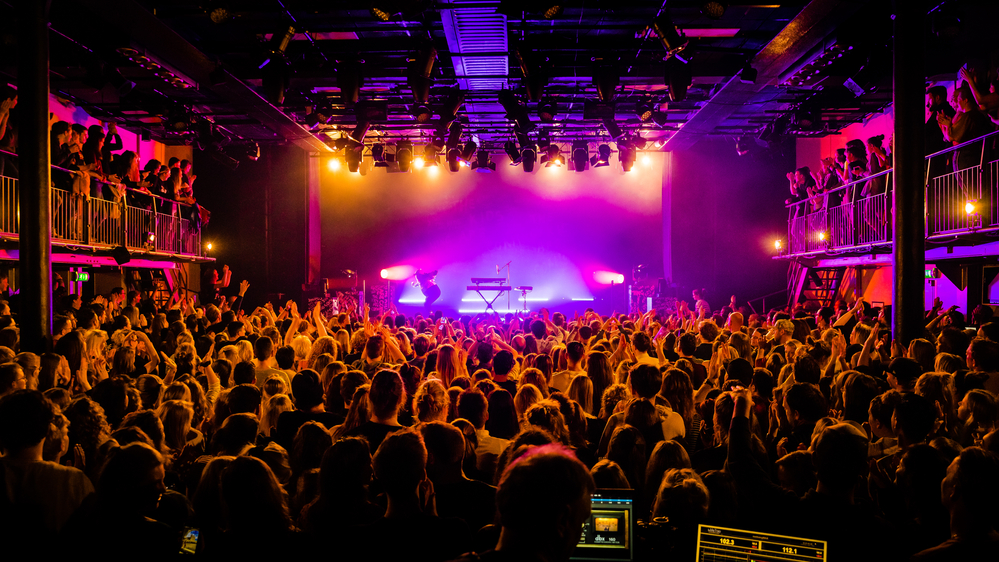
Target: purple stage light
[[398, 272], [608, 278]]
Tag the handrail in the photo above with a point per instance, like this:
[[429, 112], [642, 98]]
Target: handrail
[[945, 151], [105, 182], [844, 186], [962, 145]]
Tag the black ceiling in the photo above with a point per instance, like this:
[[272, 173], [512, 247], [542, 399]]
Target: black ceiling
[[203, 61]]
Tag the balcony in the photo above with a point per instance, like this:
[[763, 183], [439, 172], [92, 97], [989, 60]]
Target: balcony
[[145, 224], [960, 205]]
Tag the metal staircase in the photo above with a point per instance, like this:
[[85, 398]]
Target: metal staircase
[[817, 286]]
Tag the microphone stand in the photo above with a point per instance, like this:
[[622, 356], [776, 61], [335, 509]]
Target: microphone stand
[[499, 268]]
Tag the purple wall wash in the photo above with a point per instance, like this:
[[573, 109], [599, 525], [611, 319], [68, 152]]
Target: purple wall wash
[[557, 227]]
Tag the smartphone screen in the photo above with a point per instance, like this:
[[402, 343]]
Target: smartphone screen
[[189, 544]]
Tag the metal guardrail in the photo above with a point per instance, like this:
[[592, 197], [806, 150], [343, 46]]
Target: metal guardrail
[[160, 226], [958, 202]]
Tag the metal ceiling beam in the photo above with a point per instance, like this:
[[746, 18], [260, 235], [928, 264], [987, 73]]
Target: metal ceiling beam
[[813, 24], [143, 28]]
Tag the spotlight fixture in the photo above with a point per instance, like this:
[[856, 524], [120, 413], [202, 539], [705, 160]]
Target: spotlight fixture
[[320, 114], [468, 152], [510, 148], [778, 245], [352, 154], [208, 246], [742, 145], [528, 156], [602, 157], [430, 156], [678, 79], [668, 35], [421, 67], [361, 129], [515, 110], [380, 13], [454, 135], [552, 11], [334, 164], [713, 9], [627, 154], [606, 79], [482, 163], [807, 118], [644, 110], [547, 110], [349, 79], [535, 79], [453, 159], [404, 155], [253, 151], [612, 128], [378, 155], [580, 154], [422, 113], [179, 121], [275, 66], [220, 15], [969, 207], [554, 157], [453, 102], [543, 141]]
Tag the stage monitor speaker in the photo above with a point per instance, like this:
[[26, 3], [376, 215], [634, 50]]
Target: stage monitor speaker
[[121, 255]]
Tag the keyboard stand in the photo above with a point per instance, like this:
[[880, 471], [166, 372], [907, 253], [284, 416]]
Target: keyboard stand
[[489, 303]]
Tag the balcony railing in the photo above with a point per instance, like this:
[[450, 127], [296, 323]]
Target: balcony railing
[[140, 221], [957, 202]]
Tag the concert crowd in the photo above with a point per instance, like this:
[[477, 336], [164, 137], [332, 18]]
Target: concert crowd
[[222, 431]]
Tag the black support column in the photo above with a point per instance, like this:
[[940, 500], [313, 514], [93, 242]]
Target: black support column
[[908, 253], [35, 234]]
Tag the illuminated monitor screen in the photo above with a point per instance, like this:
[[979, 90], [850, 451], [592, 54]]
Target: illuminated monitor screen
[[608, 533], [718, 544]]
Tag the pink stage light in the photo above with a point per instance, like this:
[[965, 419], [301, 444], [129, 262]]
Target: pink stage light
[[398, 272], [608, 277]]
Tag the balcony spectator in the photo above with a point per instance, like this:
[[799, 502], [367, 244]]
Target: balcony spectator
[[934, 141], [8, 133], [112, 142], [829, 180], [967, 124], [800, 181], [878, 160], [975, 75]]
